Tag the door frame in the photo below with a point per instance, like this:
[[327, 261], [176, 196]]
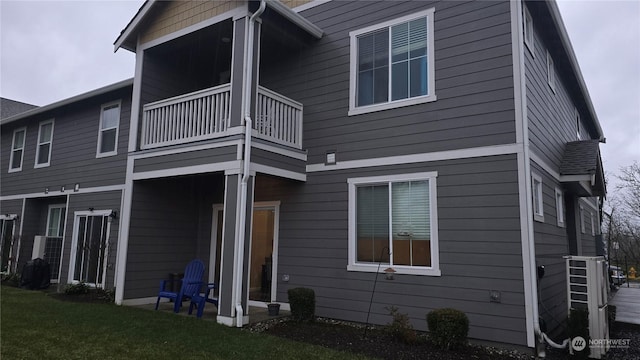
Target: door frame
[[262, 205], [46, 235], [13, 218], [74, 244]]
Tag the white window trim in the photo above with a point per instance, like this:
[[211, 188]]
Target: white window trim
[[353, 265], [537, 216], [560, 207], [529, 37], [551, 73], [582, 222], [38, 143], [13, 142], [74, 244], [100, 130], [593, 223], [353, 61], [46, 234]]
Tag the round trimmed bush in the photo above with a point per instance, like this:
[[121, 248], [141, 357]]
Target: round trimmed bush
[[448, 328]]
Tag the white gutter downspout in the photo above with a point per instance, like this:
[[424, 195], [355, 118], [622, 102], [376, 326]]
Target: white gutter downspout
[[248, 70]]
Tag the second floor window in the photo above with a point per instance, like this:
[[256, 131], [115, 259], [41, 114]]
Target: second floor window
[[392, 64], [538, 204], [45, 139], [108, 134], [17, 150]]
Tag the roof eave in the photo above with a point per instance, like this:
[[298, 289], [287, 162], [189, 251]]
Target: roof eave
[[296, 18], [42, 109], [566, 42], [121, 41]]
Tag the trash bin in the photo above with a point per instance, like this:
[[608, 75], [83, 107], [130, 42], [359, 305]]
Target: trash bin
[[174, 281], [36, 274]]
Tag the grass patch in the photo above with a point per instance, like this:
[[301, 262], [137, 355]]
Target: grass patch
[[36, 326]]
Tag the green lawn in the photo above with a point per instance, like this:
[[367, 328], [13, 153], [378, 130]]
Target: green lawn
[[35, 326]]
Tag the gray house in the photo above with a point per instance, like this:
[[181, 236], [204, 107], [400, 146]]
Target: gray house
[[317, 144]]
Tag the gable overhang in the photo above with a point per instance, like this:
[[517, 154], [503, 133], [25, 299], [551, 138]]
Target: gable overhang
[[566, 44], [128, 39], [581, 171]]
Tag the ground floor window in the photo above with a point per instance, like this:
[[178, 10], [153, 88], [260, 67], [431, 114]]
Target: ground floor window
[[393, 222]]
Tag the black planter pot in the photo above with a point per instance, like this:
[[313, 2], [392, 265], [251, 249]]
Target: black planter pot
[[274, 309]]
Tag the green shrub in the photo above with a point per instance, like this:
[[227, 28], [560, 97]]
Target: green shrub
[[106, 295], [448, 328], [578, 325], [10, 279], [303, 304], [77, 289], [400, 327]]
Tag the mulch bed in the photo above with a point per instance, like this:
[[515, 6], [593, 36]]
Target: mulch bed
[[91, 297], [376, 343]]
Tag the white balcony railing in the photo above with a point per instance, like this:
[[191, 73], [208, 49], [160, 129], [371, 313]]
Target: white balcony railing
[[205, 115], [199, 115], [278, 118]]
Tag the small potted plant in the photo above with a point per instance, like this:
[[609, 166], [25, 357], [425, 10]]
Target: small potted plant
[[274, 309]]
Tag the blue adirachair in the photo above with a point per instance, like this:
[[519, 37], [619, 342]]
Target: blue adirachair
[[190, 285], [198, 300]]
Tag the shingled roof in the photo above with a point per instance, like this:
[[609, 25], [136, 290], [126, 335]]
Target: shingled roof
[[10, 107], [580, 158]]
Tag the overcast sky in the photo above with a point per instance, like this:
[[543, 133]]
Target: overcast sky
[[51, 50]]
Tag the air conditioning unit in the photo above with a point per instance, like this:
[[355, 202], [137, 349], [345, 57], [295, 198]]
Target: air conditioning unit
[[587, 287]]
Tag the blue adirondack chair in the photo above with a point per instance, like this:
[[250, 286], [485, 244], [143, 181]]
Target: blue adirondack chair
[[198, 300], [191, 283]]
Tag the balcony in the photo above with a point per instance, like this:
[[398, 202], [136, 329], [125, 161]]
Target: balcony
[[205, 114]]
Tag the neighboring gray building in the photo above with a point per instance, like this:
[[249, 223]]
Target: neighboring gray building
[[318, 143], [10, 107]]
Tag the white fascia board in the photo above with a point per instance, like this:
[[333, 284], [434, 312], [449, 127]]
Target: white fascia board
[[566, 43], [133, 25], [572, 178], [87, 95], [296, 18]]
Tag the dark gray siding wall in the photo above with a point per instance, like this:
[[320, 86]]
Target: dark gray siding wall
[[551, 244], [192, 158], [479, 240], [169, 221], [268, 158], [551, 115], [73, 152], [473, 75], [11, 207], [111, 200]]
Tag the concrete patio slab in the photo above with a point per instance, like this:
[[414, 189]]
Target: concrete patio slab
[[256, 314], [627, 303]]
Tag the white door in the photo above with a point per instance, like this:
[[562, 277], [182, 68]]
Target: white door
[[90, 248]]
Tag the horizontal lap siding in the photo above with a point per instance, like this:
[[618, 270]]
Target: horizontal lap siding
[[11, 207], [479, 240], [111, 200], [170, 226], [474, 83], [191, 158], [73, 152], [551, 244], [264, 157], [551, 115]]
